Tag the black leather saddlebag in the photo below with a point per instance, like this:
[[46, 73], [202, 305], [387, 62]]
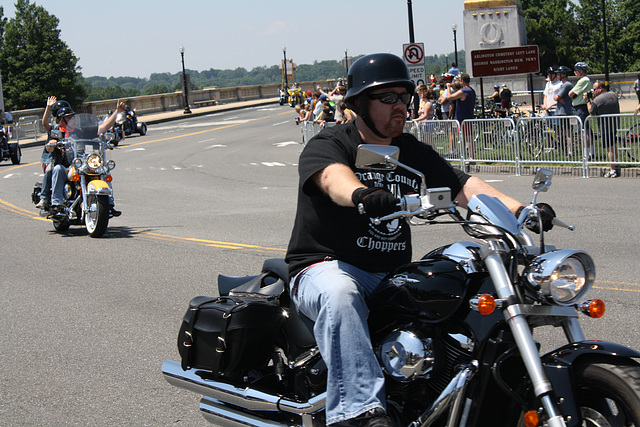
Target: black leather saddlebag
[[229, 333]]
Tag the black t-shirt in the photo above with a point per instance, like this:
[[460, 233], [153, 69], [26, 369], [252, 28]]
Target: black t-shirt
[[324, 229]]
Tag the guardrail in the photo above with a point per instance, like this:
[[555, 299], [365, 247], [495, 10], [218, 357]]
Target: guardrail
[[564, 140]]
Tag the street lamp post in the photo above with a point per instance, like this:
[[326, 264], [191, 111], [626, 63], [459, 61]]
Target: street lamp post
[[184, 84], [286, 82], [454, 27], [346, 66]]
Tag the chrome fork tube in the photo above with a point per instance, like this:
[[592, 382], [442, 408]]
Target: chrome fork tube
[[83, 189], [518, 324]]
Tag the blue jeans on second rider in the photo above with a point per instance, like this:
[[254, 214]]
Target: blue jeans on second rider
[[58, 178], [332, 294]]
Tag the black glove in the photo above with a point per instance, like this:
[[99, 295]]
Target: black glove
[[376, 202], [547, 214]]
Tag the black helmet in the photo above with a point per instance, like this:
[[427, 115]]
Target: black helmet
[[563, 69], [64, 112], [377, 70], [552, 70], [58, 105]]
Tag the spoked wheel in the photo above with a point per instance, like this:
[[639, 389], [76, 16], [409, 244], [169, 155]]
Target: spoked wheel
[[97, 218], [609, 395]]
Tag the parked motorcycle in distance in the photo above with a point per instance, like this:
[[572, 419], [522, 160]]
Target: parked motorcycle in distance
[[452, 331], [9, 150], [88, 187], [127, 123]]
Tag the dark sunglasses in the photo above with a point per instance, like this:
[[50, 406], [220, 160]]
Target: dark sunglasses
[[391, 97]]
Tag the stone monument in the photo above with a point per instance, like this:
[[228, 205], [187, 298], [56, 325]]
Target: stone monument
[[492, 24]]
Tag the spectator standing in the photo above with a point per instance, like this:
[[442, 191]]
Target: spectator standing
[[336, 96], [8, 116], [551, 89], [606, 102], [505, 97], [564, 105], [581, 87], [454, 69], [495, 97], [465, 101], [636, 87]]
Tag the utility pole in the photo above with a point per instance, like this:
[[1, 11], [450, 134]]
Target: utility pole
[[412, 38]]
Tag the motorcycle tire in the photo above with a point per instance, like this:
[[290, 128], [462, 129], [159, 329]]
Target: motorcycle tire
[[96, 221], [17, 155], [142, 128], [609, 394], [61, 226]]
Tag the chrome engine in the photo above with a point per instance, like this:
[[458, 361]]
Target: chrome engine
[[405, 356]]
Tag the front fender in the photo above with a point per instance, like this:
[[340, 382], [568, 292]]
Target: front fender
[[559, 365], [98, 187]]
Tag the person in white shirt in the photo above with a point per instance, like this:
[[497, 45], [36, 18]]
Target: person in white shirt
[[551, 89]]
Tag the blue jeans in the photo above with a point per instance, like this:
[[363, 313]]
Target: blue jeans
[[332, 294], [58, 178], [45, 191]]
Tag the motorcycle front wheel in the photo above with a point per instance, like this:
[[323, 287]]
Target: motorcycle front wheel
[[608, 394], [61, 226], [97, 218]]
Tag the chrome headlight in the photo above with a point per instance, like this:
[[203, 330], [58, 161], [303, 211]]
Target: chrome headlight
[[94, 161], [562, 276]]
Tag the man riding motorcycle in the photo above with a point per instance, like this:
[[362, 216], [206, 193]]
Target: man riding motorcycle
[[337, 256]]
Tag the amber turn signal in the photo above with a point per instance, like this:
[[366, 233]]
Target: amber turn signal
[[594, 308], [75, 177], [531, 419], [486, 304], [109, 178]]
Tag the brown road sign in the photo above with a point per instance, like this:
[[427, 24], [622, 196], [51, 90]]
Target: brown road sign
[[508, 60]]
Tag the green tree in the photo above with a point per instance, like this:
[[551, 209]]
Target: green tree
[[155, 89], [35, 62], [551, 25]]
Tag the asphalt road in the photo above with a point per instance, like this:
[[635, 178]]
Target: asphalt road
[[86, 323]]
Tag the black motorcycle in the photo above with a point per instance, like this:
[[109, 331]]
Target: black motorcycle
[[453, 332], [127, 124], [9, 150]]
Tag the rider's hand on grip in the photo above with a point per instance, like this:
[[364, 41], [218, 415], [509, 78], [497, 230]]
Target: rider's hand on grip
[[547, 214], [375, 202]]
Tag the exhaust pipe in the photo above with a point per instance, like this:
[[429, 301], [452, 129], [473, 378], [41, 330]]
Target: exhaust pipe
[[218, 413], [248, 398]]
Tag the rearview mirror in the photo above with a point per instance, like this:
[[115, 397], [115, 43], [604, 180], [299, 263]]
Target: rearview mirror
[[542, 180], [375, 156], [56, 134]]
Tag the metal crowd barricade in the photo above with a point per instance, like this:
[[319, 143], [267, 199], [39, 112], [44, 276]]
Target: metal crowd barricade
[[614, 139], [554, 139], [28, 127], [310, 129], [490, 140], [443, 136]]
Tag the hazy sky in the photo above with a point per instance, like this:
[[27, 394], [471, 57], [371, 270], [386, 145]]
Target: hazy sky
[[140, 37]]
